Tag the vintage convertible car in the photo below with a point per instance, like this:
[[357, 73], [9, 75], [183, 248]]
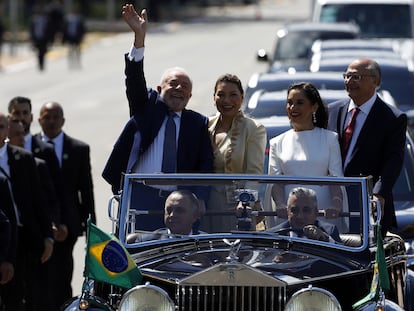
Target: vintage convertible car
[[251, 269]]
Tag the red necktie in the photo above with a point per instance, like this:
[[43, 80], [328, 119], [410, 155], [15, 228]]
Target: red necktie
[[347, 135]]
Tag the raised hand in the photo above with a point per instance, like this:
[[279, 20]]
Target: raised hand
[[138, 23]]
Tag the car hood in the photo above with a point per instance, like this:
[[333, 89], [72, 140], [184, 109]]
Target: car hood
[[252, 264]]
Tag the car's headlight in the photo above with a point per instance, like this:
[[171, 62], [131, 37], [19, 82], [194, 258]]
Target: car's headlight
[[318, 298], [146, 297]]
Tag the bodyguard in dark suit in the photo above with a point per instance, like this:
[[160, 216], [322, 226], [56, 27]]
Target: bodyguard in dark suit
[[378, 139], [74, 158], [20, 109], [73, 33], [50, 201], [140, 146], [8, 239], [35, 242]]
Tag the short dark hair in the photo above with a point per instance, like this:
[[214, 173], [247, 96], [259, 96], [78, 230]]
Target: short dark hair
[[312, 93], [19, 100], [191, 196], [229, 78]]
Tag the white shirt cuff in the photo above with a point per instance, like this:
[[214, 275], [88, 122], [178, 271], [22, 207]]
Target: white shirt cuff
[[136, 54]]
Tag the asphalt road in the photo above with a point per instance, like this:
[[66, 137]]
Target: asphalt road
[[93, 98]]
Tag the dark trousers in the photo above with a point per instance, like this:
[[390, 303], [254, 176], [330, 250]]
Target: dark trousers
[[20, 293], [41, 46], [44, 288], [61, 271]]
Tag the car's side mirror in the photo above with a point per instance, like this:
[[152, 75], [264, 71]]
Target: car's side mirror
[[376, 210]]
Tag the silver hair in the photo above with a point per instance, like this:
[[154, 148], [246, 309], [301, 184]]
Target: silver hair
[[169, 70], [306, 192]]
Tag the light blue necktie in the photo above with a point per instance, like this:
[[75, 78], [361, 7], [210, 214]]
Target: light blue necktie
[[169, 158]]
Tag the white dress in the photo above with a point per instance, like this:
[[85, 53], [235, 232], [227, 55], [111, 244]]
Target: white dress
[[308, 153]]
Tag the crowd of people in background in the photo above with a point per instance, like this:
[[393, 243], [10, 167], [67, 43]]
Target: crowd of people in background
[[49, 25], [46, 184]]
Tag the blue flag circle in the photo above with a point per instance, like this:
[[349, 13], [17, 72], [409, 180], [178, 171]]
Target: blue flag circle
[[114, 258]]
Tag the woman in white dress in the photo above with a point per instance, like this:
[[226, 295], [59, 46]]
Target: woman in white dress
[[307, 149]]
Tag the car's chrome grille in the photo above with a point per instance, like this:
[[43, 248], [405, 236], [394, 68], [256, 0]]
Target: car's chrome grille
[[230, 298]]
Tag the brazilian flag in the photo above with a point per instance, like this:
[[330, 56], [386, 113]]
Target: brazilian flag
[[108, 261], [380, 280]]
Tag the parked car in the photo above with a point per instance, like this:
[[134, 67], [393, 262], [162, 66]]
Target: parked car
[[376, 19], [355, 44], [281, 80], [294, 41], [383, 19], [397, 77], [404, 199], [251, 270], [353, 53], [264, 104]]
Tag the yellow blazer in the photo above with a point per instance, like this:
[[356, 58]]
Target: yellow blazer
[[245, 151]]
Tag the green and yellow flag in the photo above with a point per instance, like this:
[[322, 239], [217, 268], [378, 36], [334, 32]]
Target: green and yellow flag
[[108, 261], [380, 279]]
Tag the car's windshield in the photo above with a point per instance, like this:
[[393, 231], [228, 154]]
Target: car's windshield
[[374, 20], [324, 210]]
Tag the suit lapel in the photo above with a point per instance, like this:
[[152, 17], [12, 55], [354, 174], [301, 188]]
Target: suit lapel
[[65, 151], [13, 158], [340, 126], [35, 146]]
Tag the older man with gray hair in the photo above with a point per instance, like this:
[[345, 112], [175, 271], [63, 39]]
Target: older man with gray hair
[[302, 211]]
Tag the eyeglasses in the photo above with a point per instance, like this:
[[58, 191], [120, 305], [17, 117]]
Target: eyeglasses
[[355, 76]]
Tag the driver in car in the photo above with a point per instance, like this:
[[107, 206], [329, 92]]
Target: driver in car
[[302, 211], [182, 210]]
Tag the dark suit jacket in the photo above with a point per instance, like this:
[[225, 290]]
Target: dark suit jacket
[[379, 149], [148, 110], [45, 151], [4, 235], [78, 185], [49, 196], [326, 227], [26, 191], [79, 29], [8, 238]]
